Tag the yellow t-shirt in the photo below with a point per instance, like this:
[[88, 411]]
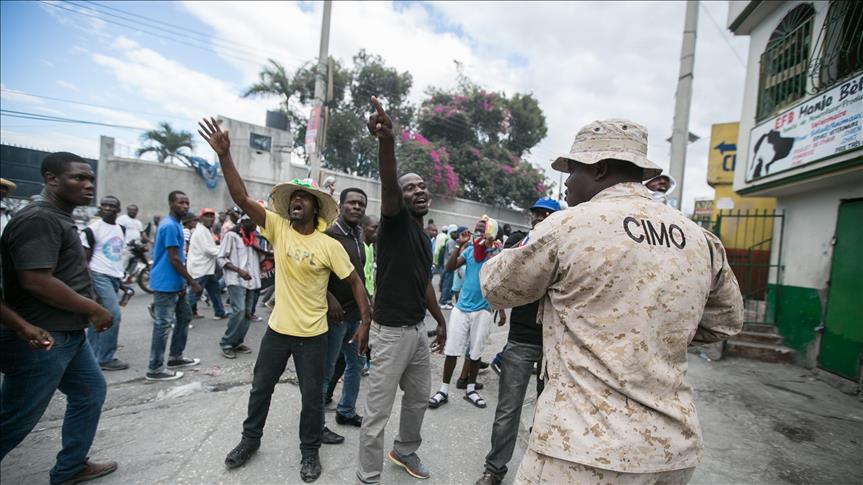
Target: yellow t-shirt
[[303, 267]]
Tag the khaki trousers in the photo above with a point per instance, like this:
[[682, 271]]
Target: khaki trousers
[[400, 359], [538, 469]]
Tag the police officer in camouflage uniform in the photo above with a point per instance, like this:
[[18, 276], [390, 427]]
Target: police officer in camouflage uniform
[[626, 284]]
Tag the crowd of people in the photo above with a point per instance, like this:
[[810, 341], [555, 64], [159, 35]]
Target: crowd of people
[[601, 309]]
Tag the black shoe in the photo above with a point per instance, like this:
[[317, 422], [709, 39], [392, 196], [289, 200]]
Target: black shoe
[[182, 362], [241, 454], [462, 384], [114, 364], [356, 420], [310, 468], [330, 438], [483, 365], [489, 478]]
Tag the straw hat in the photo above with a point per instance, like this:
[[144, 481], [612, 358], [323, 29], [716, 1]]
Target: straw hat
[[606, 139], [10, 186], [280, 199]]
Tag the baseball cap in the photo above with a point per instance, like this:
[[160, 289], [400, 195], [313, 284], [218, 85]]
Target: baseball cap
[[546, 203]]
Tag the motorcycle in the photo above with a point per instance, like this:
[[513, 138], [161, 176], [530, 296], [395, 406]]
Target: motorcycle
[[137, 269]]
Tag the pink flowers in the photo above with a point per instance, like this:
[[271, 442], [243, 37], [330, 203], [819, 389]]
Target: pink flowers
[[475, 152], [540, 187], [506, 168]]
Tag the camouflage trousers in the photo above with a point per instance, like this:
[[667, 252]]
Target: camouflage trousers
[[538, 469]]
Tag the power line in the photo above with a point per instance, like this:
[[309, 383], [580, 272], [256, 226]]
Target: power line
[[259, 61], [59, 119], [169, 27], [51, 98], [723, 34]]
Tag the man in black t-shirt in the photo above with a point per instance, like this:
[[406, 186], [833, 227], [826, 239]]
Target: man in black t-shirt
[[46, 281], [403, 293], [523, 350]]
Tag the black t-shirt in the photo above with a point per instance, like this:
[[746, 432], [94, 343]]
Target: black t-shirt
[[522, 319], [351, 240], [404, 269], [40, 236]]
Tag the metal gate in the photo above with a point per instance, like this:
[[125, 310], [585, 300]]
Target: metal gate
[[753, 243]]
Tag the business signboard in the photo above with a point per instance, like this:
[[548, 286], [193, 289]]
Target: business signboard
[[820, 127], [722, 157]]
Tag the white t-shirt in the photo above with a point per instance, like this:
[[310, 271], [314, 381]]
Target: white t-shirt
[[108, 248], [133, 227]]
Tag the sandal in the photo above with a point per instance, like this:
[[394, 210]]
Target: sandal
[[474, 398], [438, 399]]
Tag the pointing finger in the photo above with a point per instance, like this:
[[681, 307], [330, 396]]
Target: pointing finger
[[377, 105]]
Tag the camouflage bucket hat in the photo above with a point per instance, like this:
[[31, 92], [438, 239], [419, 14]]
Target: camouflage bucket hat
[[617, 139], [280, 199]]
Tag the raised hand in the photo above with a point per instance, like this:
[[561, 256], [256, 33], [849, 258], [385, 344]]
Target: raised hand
[[380, 125], [215, 136]]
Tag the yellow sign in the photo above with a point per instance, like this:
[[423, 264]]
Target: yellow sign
[[723, 153]]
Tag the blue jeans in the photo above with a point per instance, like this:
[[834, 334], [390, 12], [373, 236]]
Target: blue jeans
[[338, 337], [104, 344], [446, 287], [238, 323], [210, 284], [30, 378], [169, 309]]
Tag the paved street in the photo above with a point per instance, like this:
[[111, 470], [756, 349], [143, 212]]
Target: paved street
[[762, 423]]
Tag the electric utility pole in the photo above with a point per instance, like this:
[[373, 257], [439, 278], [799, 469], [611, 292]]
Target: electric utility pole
[[313, 131], [683, 98]]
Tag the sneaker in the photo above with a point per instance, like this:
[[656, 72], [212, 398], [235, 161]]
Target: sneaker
[[446, 306], [310, 468], [411, 463], [489, 478], [114, 364], [356, 420], [228, 353], [241, 454], [483, 365], [163, 376], [462, 384], [330, 438], [242, 349], [91, 470], [220, 317], [182, 362]]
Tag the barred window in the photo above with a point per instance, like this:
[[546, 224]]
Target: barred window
[[785, 62], [839, 46]]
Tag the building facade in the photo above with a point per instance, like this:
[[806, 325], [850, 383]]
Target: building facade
[[801, 141]]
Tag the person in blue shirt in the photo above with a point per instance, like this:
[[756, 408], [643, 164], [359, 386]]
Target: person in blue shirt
[[168, 280], [471, 318]]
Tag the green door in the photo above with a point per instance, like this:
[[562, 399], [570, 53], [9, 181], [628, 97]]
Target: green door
[[842, 342]]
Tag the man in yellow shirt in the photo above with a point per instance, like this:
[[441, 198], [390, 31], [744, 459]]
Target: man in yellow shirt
[[305, 258]]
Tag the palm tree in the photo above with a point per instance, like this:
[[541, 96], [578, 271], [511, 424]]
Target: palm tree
[[273, 80], [167, 144]]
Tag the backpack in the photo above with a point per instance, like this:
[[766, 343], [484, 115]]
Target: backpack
[[91, 238]]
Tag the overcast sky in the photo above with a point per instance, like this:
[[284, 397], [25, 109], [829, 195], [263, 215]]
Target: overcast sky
[[583, 61]]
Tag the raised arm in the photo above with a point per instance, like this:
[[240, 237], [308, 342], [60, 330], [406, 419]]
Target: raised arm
[[221, 144], [381, 127]]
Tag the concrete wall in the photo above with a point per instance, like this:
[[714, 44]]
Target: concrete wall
[[147, 183]]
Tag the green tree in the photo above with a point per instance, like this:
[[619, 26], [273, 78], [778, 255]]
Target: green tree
[[167, 144]]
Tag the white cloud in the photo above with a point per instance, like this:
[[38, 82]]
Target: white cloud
[[67, 85], [583, 61]]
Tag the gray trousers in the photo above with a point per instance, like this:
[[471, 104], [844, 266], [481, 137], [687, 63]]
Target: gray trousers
[[515, 372], [400, 358]]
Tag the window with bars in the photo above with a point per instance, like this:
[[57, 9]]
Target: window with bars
[[839, 46], [785, 62]]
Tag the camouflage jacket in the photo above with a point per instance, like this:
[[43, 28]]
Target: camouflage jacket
[[626, 284]]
